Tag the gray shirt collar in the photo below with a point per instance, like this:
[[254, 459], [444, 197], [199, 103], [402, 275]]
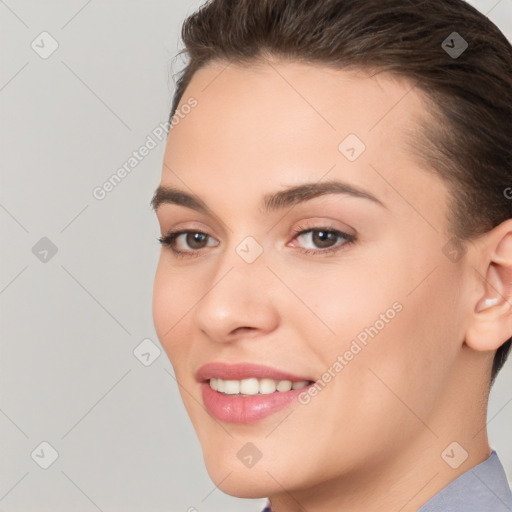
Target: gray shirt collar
[[483, 488]]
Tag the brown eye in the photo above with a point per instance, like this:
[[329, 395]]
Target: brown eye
[[196, 240], [186, 242], [323, 239]]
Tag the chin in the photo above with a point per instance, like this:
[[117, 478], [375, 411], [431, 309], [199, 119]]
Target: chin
[[243, 482], [247, 489]]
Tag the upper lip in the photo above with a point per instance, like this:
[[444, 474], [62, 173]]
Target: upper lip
[[239, 371]]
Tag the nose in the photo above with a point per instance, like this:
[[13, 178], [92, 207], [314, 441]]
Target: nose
[[238, 302]]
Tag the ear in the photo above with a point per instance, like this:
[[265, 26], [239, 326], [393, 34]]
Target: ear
[[491, 321]]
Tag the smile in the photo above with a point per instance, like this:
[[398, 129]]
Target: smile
[[253, 386], [246, 393]]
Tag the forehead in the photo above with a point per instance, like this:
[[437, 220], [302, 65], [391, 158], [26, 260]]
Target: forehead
[[308, 88], [281, 105], [257, 128]]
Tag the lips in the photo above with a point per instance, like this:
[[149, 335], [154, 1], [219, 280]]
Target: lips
[[241, 408]]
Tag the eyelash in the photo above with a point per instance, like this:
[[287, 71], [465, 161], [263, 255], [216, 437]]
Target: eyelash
[[169, 239]]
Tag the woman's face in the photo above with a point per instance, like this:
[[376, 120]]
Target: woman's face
[[367, 299]]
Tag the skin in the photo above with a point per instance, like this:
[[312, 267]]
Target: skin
[[372, 439]]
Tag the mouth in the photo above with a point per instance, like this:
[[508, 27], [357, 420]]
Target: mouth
[[253, 386], [246, 393]]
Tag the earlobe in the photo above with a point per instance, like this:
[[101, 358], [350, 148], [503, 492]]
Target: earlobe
[[491, 322]]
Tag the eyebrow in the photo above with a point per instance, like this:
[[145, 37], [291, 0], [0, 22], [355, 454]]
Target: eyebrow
[[271, 202]]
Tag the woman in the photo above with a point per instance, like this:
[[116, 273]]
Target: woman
[[335, 282]]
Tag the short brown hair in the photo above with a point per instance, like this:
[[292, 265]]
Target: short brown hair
[[470, 145]]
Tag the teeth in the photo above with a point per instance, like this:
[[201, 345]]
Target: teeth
[[231, 387], [249, 386], [284, 385], [267, 386], [254, 386]]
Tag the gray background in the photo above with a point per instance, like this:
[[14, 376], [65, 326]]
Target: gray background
[[70, 321]]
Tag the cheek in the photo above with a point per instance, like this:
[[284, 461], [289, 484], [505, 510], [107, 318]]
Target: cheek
[[411, 359], [391, 323], [345, 297], [171, 301]]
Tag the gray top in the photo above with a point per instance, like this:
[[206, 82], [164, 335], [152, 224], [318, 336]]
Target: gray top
[[483, 488]]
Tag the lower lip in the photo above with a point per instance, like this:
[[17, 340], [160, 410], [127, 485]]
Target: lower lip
[[246, 409]]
